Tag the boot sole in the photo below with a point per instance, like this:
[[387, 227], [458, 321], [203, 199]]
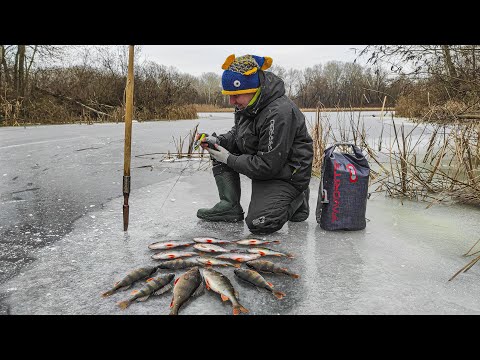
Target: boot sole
[[223, 217]]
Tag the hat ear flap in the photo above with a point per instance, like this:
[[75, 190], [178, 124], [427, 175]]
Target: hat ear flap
[[268, 62], [228, 61], [251, 71]]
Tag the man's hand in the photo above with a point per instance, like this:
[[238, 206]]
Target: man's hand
[[205, 140], [220, 155]]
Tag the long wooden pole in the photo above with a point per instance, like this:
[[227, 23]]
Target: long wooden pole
[[128, 138]]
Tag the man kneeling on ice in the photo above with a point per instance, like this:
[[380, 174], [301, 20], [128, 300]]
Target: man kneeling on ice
[[269, 143]]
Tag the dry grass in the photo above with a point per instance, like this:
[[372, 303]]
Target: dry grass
[[211, 108], [348, 109], [419, 105], [470, 263], [320, 134], [446, 169]]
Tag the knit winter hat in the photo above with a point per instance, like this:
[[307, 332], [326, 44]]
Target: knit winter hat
[[241, 74]]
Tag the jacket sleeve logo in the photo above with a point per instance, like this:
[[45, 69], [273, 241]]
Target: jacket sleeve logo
[[270, 134]]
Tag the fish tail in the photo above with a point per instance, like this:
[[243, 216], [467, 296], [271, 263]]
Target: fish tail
[[123, 304], [237, 265], [239, 308], [108, 293], [295, 276], [278, 294]]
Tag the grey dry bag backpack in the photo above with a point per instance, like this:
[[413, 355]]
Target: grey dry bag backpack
[[343, 191]]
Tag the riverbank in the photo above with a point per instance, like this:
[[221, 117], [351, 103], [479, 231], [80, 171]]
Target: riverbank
[[336, 109]]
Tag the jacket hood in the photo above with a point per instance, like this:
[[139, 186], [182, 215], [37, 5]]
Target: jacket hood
[[272, 87]]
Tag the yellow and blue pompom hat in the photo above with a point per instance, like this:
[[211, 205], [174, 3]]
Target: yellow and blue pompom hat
[[241, 73]]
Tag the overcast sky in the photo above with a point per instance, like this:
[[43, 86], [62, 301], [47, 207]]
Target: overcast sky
[[198, 59]]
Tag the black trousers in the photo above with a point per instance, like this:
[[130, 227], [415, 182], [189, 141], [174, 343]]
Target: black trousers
[[272, 204]]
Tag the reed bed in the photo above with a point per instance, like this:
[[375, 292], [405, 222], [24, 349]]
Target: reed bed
[[437, 166], [213, 108], [184, 150]]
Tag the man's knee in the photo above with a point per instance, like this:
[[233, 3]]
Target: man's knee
[[266, 223]]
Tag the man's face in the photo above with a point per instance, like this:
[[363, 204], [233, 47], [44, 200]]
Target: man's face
[[241, 100]]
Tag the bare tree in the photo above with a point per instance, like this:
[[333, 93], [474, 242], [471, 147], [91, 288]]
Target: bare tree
[[209, 88]]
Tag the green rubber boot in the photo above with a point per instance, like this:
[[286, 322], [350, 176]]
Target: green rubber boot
[[229, 208]]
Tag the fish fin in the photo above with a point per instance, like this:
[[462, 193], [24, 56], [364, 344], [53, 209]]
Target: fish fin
[[163, 290], [239, 308], [236, 265], [278, 294], [171, 303], [134, 292], [118, 282], [235, 292], [176, 280], [262, 253], [108, 293], [290, 256], [149, 279], [123, 304], [199, 290], [126, 287], [207, 285], [295, 276], [224, 298], [143, 298], [270, 284], [276, 241]]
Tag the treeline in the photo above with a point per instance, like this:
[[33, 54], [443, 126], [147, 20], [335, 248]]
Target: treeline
[[57, 84], [333, 85]]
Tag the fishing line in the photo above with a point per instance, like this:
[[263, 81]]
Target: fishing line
[[173, 186], [178, 178]]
